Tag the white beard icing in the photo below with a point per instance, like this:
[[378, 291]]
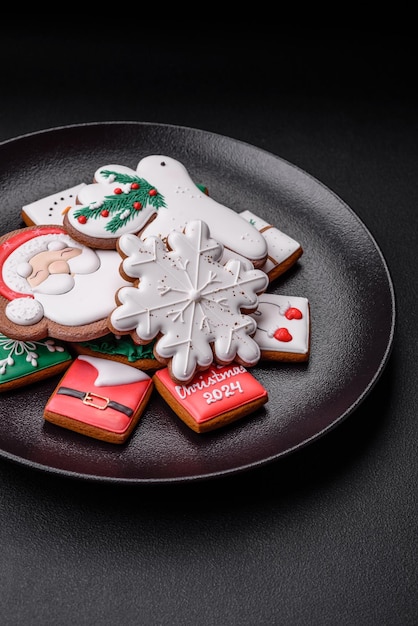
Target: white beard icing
[[55, 284], [85, 263], [92, 297]]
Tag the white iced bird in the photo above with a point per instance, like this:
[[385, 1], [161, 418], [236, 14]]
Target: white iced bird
[[185, 201]]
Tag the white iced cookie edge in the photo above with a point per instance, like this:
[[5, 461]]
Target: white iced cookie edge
[[280, 246], [51, 209], [277, 314]]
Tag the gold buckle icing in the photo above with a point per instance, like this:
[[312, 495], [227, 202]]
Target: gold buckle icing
[[91, 397]]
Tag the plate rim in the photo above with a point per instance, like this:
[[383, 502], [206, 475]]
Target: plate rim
[[98, 478]]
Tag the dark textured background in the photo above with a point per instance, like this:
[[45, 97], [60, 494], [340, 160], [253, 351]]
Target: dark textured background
[[327, 535]]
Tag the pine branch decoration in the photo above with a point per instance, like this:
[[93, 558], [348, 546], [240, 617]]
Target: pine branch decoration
[[125, 202]]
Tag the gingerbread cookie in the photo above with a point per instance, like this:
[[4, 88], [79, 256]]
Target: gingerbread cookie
[[118, 202], [51, 209], [51, 285], [26, 362], [99, 398], [183, 297], [283, 251], [122, 349], [156, 198], [283, 327], [214, 398]]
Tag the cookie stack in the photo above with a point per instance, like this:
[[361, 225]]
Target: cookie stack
[[139, 283]]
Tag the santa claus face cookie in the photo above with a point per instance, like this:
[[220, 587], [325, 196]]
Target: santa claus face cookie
[[153, 200], [53, 285]]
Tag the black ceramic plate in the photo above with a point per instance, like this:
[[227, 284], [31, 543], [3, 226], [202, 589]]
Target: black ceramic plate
[[342, 273]]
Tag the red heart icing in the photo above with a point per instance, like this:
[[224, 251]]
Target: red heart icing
[[293, 313], [282, 334]]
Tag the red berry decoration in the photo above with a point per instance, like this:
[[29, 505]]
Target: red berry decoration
[[282, 334], [293, 313], [135, 186], [104, 213], [82, 219], [117, 191], [137, 206], [152, 192]]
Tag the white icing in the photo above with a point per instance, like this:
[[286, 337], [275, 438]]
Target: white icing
[[185, 202], [190, 298], [24, 269], [111, 373], [94, 195], [26, 352], [49, 210], [257, 221], [14, 263], [280, 246], [270, 316], [91, 299], [89, 290], [89, 194], [24, 311], [228, 255]]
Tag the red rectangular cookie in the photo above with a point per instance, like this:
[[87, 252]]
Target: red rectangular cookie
[[99, 398], [214, 398]]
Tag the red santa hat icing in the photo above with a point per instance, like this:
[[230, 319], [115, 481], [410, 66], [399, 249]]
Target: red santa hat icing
[[15, 254]]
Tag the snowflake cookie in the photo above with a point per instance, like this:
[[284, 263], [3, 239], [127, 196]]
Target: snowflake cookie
[[195, 306]]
